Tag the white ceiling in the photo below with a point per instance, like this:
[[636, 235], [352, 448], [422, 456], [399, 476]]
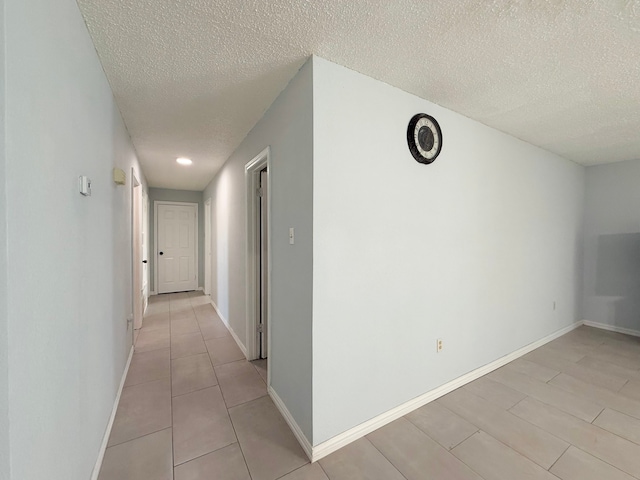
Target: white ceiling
[[192, 77]]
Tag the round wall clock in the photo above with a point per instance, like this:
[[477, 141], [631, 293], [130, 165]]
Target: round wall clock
[[424, 137]]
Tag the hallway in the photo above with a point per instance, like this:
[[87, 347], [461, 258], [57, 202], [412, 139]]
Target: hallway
[[193, 405]]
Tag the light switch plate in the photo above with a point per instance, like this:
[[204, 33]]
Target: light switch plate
[[85, 185]]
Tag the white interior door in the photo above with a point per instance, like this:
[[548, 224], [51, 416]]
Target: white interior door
[[176, 248], [207, 247]]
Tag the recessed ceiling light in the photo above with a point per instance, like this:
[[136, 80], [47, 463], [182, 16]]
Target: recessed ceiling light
[[184, 161]]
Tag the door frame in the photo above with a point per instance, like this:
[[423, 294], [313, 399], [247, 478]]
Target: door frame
[[136, 251], [252, 180], [155, 240], [145, 246], [207, 246]]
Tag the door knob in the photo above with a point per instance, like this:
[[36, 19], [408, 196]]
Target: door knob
[[161, 253], [144, 261]]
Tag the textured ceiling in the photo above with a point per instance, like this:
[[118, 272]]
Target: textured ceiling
[[192, 77]]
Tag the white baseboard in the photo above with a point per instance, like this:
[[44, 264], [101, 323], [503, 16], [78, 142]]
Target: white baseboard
[[107, 433], [293, 425], [233, 334], [329, 446], [611, 328]]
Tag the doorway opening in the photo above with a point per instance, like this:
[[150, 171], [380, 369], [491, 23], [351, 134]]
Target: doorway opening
[[263, 262], [257, 176], [145, 251], [137, 244]]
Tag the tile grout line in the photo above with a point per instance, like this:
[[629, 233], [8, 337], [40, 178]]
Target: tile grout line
[[197, 389], [614, 433], [598, 416], [138, 438], [608, 362], [623, 385], [235, 433], [295, 470], [447, 449], [450, 450], [226, 408], [544, 430], [556, 375], [559, 390], [244, 457], [603, 460], [205, 454], [148, 381], [558, 459], [301, 467], [591, 384], [142, 383], [195, 354], [323, 470], [383, 456], [207, 350], [571, 444], [173, 455], [510, 449], [227, 363]]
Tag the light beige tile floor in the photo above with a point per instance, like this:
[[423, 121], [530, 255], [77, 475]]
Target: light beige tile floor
[[192, 409]]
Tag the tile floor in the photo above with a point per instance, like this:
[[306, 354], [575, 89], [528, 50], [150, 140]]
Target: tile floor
[[192, 408]]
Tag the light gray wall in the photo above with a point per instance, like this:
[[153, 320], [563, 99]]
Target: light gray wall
[[473, 249], [612, 245], [69, 256], [4, 367], [287, 128], [168, 195]]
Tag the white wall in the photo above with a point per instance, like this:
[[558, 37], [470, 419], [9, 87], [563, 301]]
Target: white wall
[[473, 249], [69, 256], [4, 370], [287, 128], [612, 245]]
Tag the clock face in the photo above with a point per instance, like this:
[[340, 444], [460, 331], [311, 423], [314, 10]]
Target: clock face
[[424, 137]]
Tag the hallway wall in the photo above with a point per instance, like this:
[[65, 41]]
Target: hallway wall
[[287, 128], [69, 256], [4, 367], [168, 195], [612, 245]]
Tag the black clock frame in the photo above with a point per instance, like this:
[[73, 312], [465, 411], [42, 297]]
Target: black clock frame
[[413, 148]]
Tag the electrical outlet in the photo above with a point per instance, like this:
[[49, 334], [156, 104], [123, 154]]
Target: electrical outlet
[[439, 345]]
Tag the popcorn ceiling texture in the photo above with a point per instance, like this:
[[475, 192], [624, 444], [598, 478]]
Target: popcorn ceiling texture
[[192, 77]]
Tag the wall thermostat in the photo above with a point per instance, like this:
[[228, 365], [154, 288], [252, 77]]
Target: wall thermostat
[[119, 177], [85, 186]]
